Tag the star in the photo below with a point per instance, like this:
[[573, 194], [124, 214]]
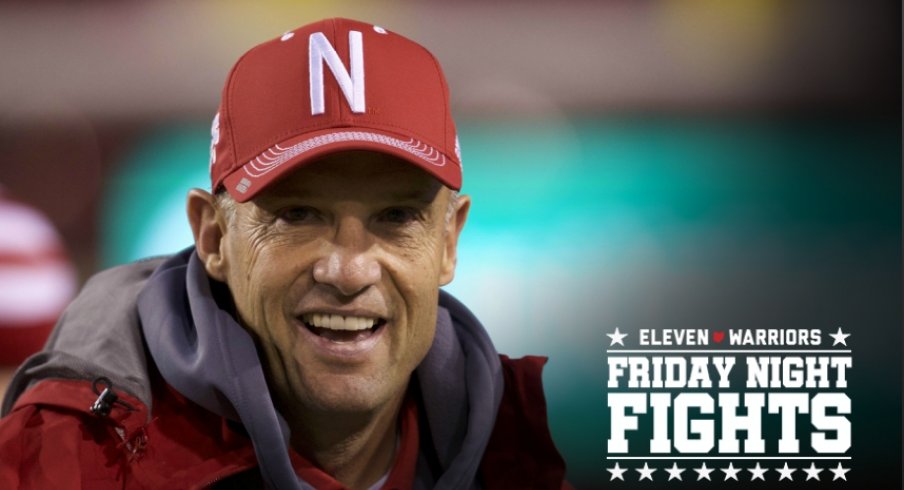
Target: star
[[703, 472], [839, 337], [674, 472], [616, 472], [731, 472], [812, 471], [757, 472], [617, 337], [645, 472], [839, 472], [785, 472]]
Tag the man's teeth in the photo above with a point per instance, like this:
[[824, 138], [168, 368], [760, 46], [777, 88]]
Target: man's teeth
[[339, 322]]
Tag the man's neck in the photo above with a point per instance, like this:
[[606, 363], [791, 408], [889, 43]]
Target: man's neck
[[355, 449]]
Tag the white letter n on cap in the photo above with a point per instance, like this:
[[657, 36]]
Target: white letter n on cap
[[319, 51]]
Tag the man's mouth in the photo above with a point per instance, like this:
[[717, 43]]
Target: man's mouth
[[342, 329]]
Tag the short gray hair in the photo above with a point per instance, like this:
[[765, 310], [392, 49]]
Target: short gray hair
[[224, 202], [453, 204]]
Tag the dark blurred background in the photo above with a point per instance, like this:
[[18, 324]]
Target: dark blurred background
[[641, 164]]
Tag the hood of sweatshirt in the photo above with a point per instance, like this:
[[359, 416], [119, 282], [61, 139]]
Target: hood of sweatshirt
[[200, 350]]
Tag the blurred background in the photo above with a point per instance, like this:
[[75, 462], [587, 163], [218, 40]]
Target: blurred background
[[640, 164]]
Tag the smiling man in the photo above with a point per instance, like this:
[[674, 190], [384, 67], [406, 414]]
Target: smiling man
[[303, 341]]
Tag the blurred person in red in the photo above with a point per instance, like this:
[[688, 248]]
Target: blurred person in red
[[36, 282], [303, 341]]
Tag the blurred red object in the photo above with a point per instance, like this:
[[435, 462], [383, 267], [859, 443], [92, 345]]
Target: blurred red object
[[37, 280]]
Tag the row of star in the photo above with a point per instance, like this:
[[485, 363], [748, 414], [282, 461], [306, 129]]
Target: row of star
[[731, 473], [618, 338]]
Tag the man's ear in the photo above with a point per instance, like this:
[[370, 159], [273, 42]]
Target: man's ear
[[208, 228], [453, 230]]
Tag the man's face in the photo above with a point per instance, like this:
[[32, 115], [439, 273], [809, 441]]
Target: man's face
[[335, 271]]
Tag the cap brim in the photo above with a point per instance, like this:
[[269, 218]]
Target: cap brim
[[256, 175]]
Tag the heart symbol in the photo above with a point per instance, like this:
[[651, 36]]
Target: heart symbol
[[718, 336]]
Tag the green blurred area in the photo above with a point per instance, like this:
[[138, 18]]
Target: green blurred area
[[581, 225], [534, 178]]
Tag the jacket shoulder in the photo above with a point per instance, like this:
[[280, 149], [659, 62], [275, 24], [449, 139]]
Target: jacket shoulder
[[49, 445], [106, 301], [97, 335], [521, 452], [52, 439], [110, 290]]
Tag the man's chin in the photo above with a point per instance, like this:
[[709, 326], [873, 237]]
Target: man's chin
[[350, 394]]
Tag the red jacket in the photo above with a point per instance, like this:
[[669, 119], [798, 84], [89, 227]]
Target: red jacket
[[51, 439]]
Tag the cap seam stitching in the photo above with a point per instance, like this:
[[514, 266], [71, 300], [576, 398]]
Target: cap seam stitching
[[227, 109], [443, 89]]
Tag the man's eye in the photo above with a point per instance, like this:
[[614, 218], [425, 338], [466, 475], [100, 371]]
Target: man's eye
[[297, 214], [399, 215]]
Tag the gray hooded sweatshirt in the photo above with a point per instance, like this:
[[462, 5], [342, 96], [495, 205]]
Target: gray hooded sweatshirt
[[171, 310]]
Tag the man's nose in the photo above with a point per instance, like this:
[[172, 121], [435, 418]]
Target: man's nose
[[349, 265]]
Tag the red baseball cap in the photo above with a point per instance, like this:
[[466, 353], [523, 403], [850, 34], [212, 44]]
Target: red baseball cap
[[331, 86]]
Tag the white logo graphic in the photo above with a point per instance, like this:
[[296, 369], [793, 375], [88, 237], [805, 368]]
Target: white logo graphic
[[693, 402], [243, 185], [214, 138], [319, 51]]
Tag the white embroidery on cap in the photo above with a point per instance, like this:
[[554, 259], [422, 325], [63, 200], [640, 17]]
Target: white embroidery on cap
[[320, 51], [277, 155], [287, 35], [380, 30], [243, 185]]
